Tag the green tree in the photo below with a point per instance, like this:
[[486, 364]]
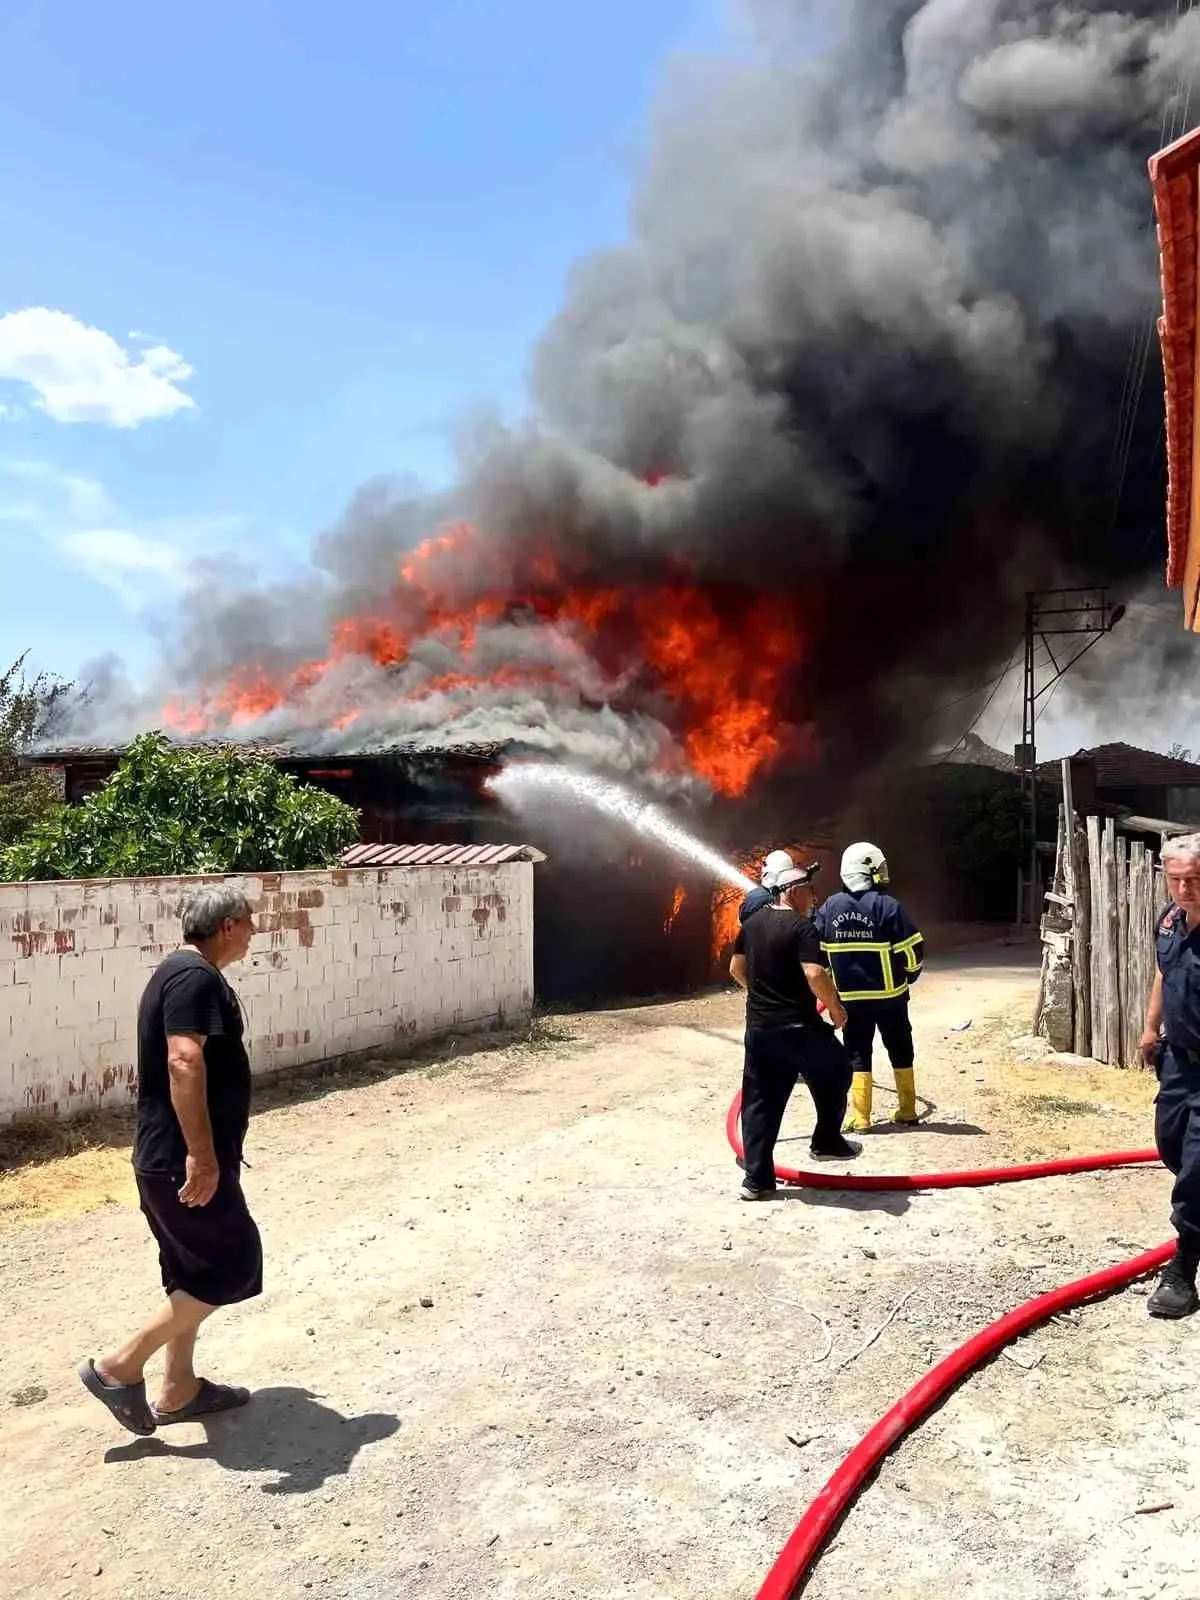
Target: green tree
[[169, 810], [29, 799]]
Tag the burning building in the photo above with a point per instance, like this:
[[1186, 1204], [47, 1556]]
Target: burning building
[[613, 919], [870, 367]]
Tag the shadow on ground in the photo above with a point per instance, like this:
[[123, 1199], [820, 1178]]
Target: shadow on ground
[[285, 1431], [892, 1202]]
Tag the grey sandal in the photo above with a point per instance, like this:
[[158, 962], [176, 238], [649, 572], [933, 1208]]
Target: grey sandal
[[126, 1401], [211, 1398]]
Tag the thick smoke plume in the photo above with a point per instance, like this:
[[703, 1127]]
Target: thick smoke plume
[[876, 361]]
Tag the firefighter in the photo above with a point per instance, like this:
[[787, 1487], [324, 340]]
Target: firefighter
[[875, 953], [1171, 1045], [778, 861]]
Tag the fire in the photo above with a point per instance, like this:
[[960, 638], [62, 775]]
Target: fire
[[727, 900], [710, 660], [676, 908]]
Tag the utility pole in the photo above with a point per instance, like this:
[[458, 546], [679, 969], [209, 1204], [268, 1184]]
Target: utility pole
[[1049, 614]]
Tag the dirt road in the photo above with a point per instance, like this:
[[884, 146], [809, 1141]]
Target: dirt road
[[621, 1388]]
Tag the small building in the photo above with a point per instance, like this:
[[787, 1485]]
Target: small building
[[1119, 779], [616, 920]]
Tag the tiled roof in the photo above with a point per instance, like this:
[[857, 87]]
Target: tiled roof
[[1175, 179], [1124, 766], [319, 749], [438, 855]]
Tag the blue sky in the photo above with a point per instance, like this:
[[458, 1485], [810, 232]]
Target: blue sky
[[257, 251]]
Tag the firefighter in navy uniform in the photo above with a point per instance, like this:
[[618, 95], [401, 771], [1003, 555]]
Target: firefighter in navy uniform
[[875, 953], [1171, 1045]]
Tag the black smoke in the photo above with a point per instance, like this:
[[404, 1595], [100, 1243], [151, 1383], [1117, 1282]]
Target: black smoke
[[885, 323]]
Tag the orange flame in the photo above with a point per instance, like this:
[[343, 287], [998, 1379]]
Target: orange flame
[[676, 908], [710, 660], [727, 899]]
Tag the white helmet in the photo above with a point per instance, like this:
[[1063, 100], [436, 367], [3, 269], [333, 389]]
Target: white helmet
[[778, 861], [864, 866], [781, 872]]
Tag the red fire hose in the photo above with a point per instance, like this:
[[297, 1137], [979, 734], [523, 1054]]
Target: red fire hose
[[796, 1560]]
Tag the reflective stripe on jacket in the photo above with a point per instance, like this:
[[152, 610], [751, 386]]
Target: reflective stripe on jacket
[[874, 949]]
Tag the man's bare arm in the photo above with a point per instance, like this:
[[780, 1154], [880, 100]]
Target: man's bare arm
[[821, 984], [189, 1097], [1153, 1026], [737, 971]]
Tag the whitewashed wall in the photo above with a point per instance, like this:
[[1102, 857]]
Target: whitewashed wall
[[344, 961]]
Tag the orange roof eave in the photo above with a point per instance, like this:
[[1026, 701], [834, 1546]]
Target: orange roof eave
[[1175, 181]]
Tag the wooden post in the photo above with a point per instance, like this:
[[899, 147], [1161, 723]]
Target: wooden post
[[1112, 995], [1098, 963], [1124, 986], [1142, 909], [1054, 1016], [1070, 893], [1081, 943], [1049, 942]]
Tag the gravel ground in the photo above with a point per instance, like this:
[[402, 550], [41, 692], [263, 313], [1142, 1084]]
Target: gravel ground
[[627, 1384]]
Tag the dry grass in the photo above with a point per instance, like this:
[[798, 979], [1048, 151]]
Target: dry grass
[[1057, 1105], [23, 1144], [53, 1169], [66, 1187], [58, 1169]]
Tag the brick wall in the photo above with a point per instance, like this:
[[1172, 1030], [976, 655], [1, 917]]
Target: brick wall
[[344, 961]]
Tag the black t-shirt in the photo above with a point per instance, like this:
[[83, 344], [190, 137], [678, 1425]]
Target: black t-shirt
[[776, 942], [187, 994]]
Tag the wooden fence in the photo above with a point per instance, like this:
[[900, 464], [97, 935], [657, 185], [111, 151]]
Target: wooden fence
[[1098, 940]]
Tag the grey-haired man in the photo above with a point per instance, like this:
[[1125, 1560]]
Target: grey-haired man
[[193, 1112], [777, 960]]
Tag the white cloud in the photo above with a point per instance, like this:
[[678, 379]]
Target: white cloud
[[81, 498], [82, 374], [133, 565], [142, 561]]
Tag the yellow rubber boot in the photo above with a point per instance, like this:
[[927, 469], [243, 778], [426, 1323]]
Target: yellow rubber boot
[[859, 1120], [906, 1090]]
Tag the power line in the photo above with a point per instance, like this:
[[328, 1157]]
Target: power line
[[968, 694], [963, 737]]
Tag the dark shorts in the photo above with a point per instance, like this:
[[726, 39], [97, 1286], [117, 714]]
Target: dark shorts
[[212, 1252]]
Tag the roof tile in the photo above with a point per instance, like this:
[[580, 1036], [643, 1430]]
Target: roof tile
[[439, 855], [1174, 181], [1124, 766]]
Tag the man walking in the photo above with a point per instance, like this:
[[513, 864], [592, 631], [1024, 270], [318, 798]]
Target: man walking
[[1171, 1044], [193, 1112], [777, 961], [875, 952]]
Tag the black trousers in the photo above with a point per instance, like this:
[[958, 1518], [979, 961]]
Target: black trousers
[[895, 1031], [1177, 1135], [212, 1252], [776, 1059]]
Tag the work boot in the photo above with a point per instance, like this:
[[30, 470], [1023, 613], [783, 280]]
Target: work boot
[[1176, 1293], [843, 1150], [859, 1120], [906, 1090]]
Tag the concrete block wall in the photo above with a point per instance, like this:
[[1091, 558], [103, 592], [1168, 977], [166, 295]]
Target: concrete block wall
[[343, 961]]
